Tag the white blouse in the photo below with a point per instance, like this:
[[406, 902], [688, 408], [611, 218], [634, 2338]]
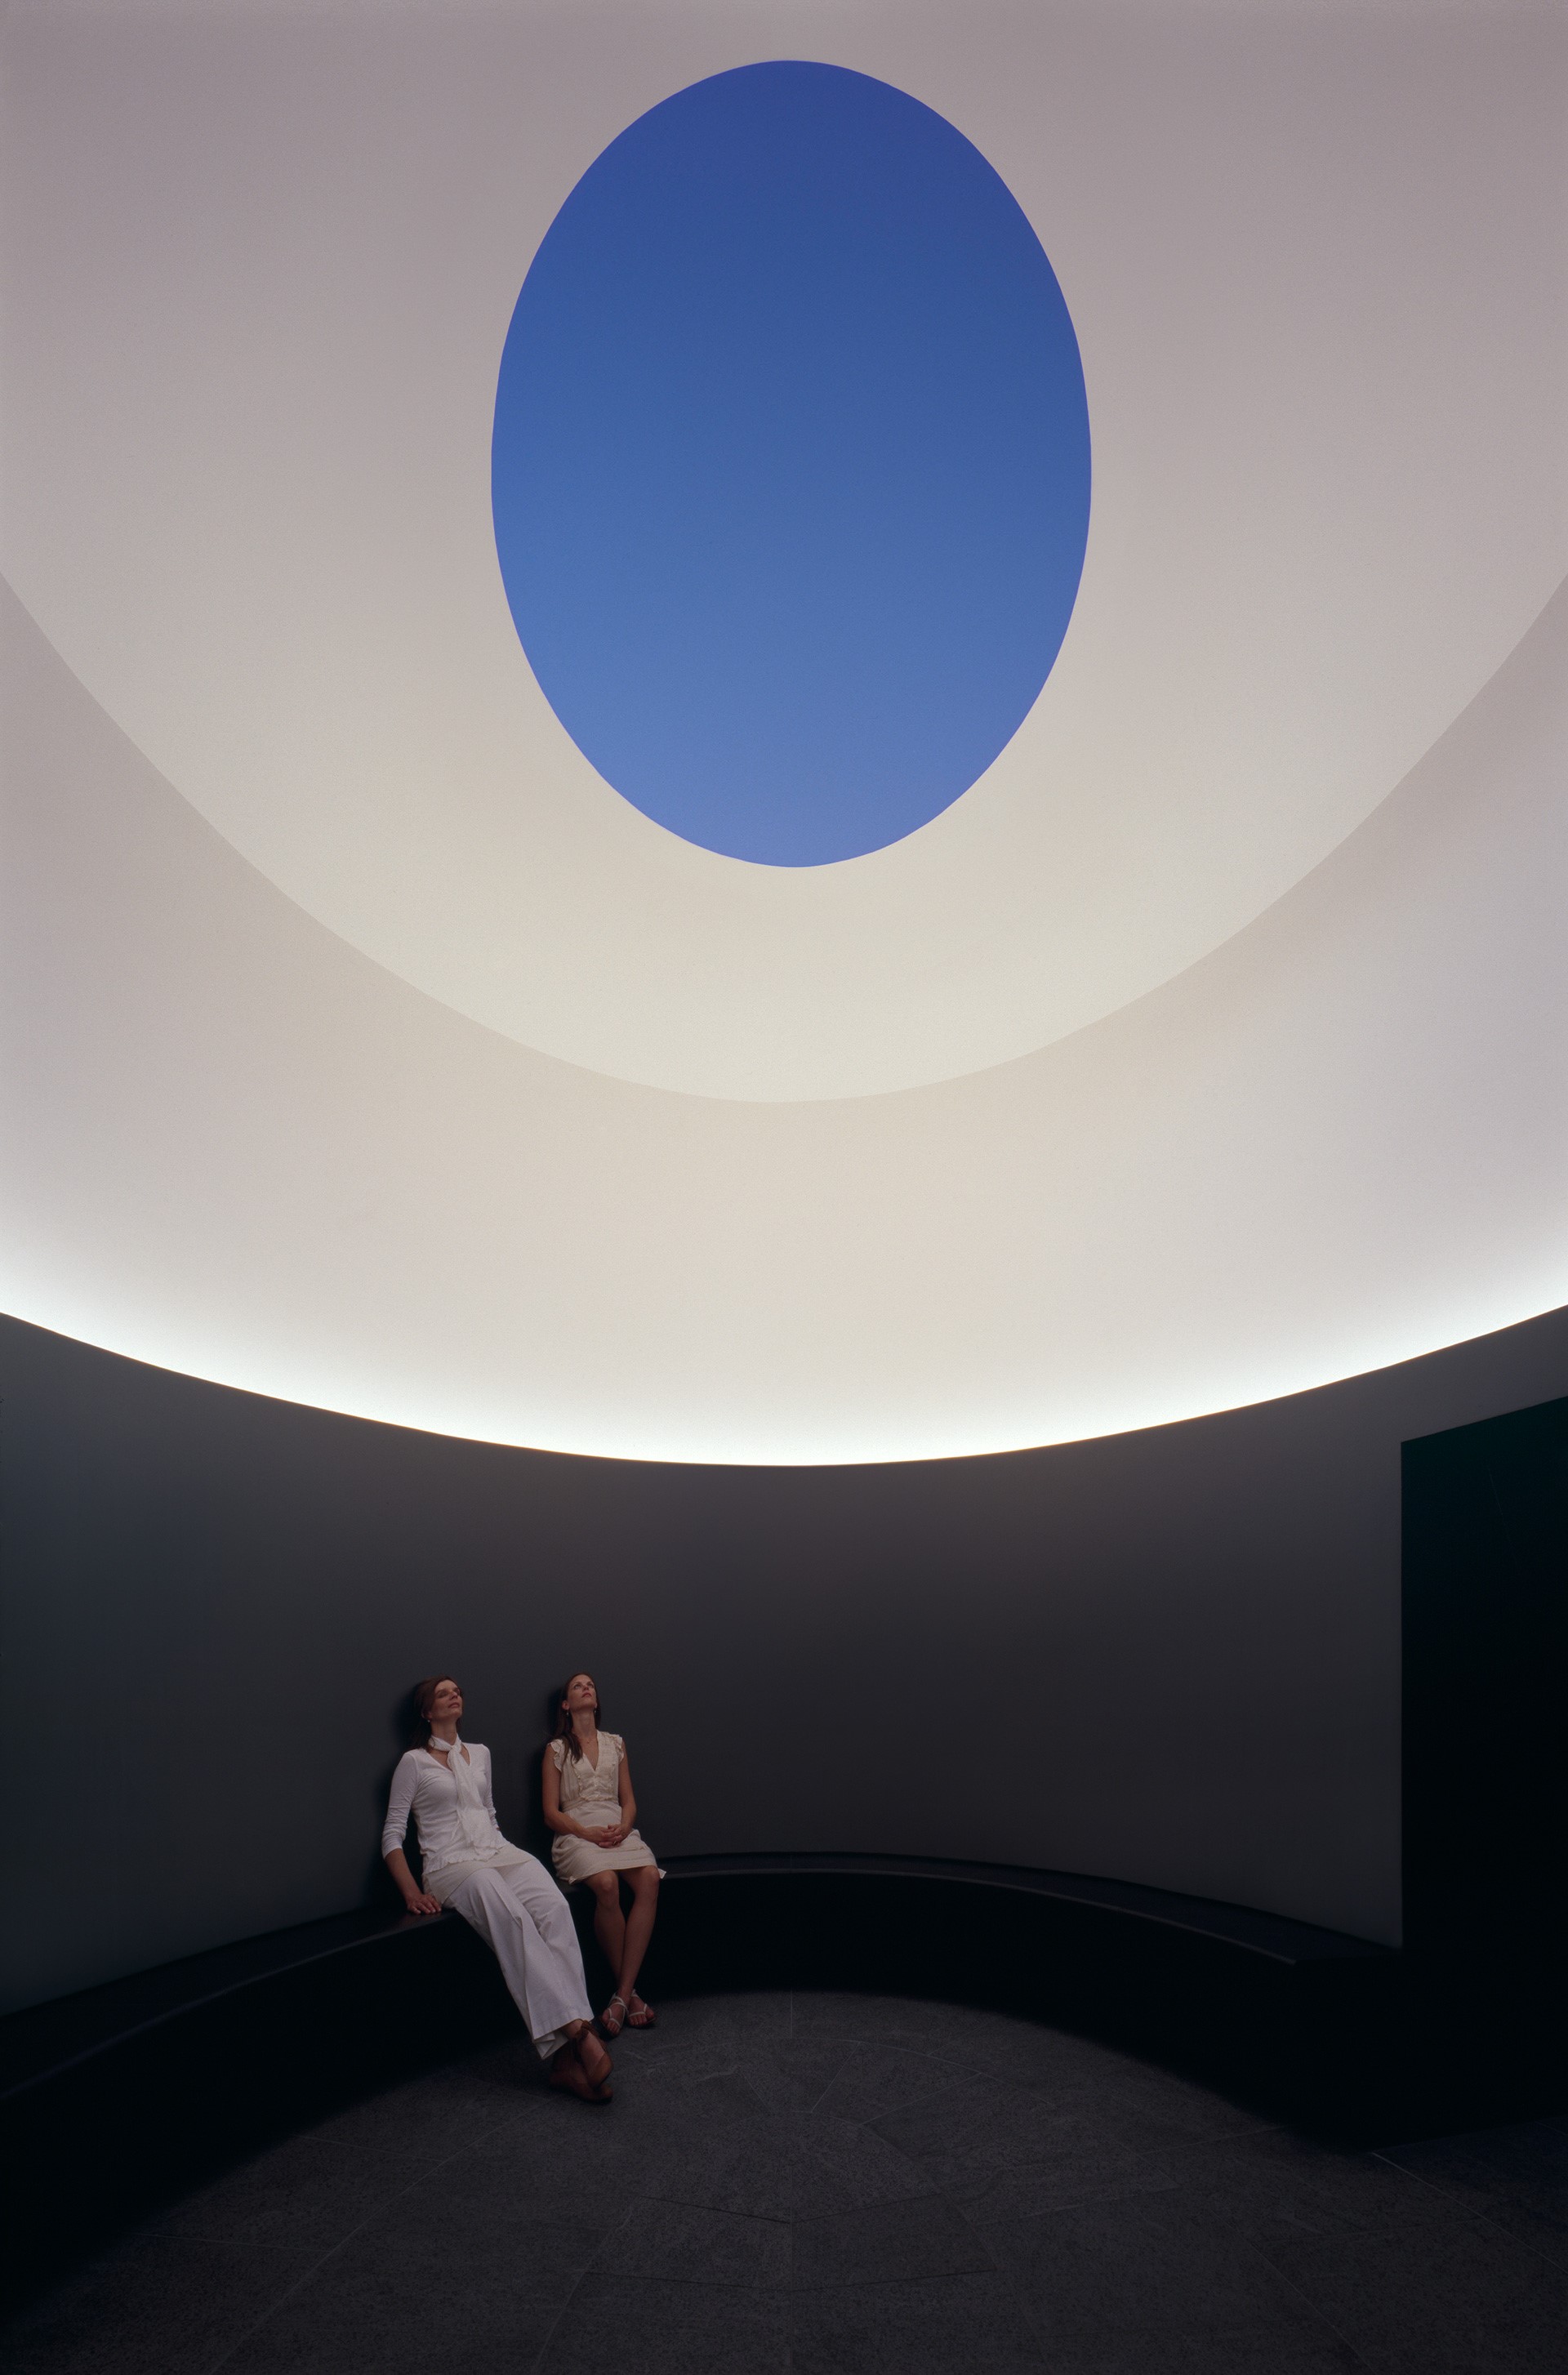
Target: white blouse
[[424, 1788]]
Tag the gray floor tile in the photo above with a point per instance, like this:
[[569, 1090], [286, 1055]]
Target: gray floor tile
[[301, 2193], [753, 2020], [875, 2081], [672, 2054], [938, 2123], [166, 2305], [744, 2180], [534, 2171], [1026, 2147], [1012, 2051], [1141, 2271], [413, 2288], [933, 2028], [1251, 2350], [520, 2243], [1029, 2150], [839, 2166], [713, 2105], [403, 2119], [1516, 2176], [1435, 2297], [674, 2243], [1081, 2167], [796, 2077], [1284, 2188], [1409, 2275], [785, 2168], [887, 2242], [639, 2327], [867, 2183], [710, 2145], [998, 2049], [1038, 2056], [1156, 2110], [943, 2325]]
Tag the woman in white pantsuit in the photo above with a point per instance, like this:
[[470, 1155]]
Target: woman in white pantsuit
[[589, 1806], [505, 1892]]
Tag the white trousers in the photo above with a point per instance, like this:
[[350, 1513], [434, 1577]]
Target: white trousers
[[524, 1920]]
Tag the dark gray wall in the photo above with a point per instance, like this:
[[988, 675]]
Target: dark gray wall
[[1171, 1657]]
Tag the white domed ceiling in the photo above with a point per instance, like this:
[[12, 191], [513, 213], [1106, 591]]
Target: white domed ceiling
[[407, 1008]]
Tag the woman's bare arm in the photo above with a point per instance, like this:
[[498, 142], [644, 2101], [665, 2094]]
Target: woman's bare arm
[[418, 1899], [627, 1803]]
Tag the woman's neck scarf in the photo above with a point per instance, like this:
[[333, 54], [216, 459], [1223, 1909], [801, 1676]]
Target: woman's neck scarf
[[478, 1823]]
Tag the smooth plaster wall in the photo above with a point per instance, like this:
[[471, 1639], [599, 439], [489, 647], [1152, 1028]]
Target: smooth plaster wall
[[1172, 1657]]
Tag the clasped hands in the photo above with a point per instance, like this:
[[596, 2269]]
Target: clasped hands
[[610, 1836]]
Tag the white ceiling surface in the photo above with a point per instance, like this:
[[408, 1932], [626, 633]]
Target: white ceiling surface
[[259, 265], [238, 1148], [352, 1026]]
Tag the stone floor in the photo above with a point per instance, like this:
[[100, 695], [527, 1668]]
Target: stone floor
[[838, 2185]]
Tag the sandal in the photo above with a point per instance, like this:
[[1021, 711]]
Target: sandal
[[610, 2023], [641, 2015]]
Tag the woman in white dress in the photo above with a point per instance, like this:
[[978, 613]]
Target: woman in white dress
[[505, 1892], [589, 1806]]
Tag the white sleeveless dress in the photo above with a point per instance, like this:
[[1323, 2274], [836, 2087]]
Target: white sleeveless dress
[[592, 1797]]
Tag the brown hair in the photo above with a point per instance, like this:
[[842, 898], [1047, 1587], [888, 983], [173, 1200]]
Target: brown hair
[[422, 1698], [563, 1730]]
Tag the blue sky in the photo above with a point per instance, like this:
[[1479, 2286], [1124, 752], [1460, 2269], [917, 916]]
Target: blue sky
[[791, 464]]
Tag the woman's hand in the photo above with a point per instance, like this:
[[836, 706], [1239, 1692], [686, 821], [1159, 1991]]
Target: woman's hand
[[415, 1898], [610, 1837]]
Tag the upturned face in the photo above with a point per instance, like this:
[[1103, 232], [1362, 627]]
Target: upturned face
[[581, 1698], [446, 1705]]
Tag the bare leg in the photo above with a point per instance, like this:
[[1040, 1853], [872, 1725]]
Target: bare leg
[[638, 1929], [609, 1928]]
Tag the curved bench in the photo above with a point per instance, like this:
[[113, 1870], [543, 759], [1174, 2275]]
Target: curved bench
[[1272, 1935], [127, 2094], [1295, 2016]]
